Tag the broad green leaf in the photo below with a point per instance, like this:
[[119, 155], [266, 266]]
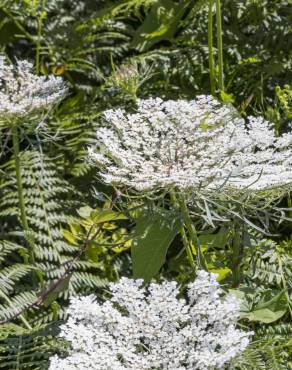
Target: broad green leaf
[[264, 315], [152, 237], [100, 215], [93, 252], [85, 211], [160, 24], [272, 303], [222, 273], [104, 215], [266, 311], [70, 237], [75, 228], [126, 246], [218, 240], [226, 97]]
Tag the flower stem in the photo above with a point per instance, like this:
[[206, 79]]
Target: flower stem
[[210, 48], [39, 35], [201, 262], [219, 45], [183, 232], [236, 255]]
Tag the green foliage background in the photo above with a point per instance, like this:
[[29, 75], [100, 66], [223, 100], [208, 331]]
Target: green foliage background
[[166, 42]]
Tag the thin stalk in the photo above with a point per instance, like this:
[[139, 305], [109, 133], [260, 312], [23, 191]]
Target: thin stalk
[[192, 234], [219, 45], [289, 201], [39, 35], [183, 232], [15, 138], [23, 218], [187, 247], [210, 48], [22, 318], [236, 256], [18, 24]]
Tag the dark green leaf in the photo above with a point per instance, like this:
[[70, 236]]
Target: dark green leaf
[[152, 237]]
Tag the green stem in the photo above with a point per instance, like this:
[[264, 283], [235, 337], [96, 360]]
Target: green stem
[[23, 218], [192, 234], [219, 45], [210, 48], [22, 318], [187, 247], [182, 232], [39, 35], [289, 202], [15, 138], [18, 24], [236, 256]]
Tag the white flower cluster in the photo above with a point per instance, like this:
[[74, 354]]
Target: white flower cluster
[[197, 144], [23, 94], [142, 328]]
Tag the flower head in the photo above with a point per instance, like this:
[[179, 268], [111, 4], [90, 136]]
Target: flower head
[[151, 328], [23, 94], [197, 144]]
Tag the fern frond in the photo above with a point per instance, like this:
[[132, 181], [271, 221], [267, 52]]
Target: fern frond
[[48, 210], [27, 349]]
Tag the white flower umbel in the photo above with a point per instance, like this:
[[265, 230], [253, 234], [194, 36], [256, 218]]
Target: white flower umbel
[[145, 328], [24, 94], [197, 144]]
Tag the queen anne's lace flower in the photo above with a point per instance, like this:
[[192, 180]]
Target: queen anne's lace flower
[[195, 144], [142, 328], [24, 94]]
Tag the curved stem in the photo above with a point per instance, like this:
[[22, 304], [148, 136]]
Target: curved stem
[[219, 45], [210, 48]]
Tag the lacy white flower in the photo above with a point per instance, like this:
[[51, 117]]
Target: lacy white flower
[[144, 328], [197, 144], [23, 94]]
